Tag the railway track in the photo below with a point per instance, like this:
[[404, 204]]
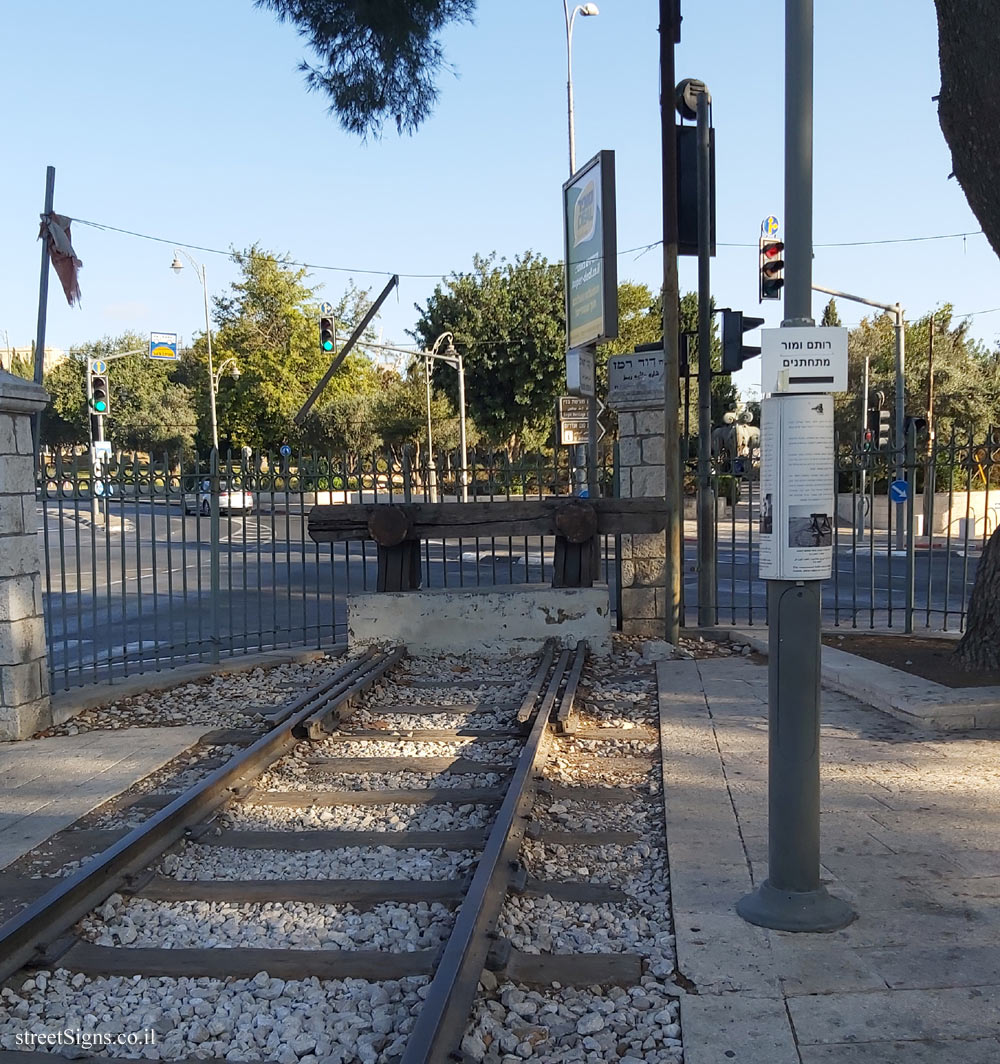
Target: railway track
[[331, 783]]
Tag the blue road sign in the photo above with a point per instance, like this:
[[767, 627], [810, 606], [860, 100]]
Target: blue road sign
[[163, 347], [899, 491], [285, 450], [326, 308]]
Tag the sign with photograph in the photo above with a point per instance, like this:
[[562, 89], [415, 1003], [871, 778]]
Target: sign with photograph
[[796, 488], [591, 246]]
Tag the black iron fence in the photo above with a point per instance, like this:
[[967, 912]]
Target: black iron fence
[[158, 562], [906, 566]]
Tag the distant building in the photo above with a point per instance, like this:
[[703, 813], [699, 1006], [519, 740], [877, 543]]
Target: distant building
[[53, 356]]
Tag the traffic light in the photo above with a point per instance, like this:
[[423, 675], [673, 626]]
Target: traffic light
[[884, 422], [326, 333], [917, 424], [868, 444], [772, 267], [734, 325], [100, 402]]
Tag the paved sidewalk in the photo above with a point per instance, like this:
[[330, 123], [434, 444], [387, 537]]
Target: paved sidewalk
[[47, 784], [910, 837]]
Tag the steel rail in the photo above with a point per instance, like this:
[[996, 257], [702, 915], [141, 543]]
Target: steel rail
[[56, 911], [438, 1032]]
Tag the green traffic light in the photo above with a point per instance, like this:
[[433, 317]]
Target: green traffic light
[[100, 406], [327, 345]]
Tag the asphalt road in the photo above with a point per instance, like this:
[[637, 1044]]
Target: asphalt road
[[140, 591]]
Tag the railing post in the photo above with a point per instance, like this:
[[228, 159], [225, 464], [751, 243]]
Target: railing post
[[911, 565], [214, 551]]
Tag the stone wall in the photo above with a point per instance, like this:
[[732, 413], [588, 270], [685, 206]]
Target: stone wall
[[24, 674], [641, 475]]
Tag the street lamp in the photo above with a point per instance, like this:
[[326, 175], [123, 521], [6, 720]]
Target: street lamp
[[177, 266], [234, 373], [586, 10], [453, 358]]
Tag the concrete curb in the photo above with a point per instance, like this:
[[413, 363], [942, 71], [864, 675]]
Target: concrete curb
[[67, 704], [910, 698]]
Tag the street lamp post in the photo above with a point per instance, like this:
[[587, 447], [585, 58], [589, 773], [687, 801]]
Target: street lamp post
[[587, 10], [453, 358], [177, 266]]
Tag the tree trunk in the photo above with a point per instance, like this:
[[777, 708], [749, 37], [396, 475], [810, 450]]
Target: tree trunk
[[969, 104], [979, 648]]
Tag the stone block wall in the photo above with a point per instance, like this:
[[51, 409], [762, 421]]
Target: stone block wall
[[24, 674], [641, 475]]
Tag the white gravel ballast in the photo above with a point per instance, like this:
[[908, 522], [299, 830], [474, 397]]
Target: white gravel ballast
[[393, 927], [350, 1021]]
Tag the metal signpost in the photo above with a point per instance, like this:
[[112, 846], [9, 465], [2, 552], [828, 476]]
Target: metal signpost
[[797, 508]]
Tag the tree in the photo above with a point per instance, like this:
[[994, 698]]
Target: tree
[[268, 325], [150, 410], [507, 319], [378, 61], [830, 315]]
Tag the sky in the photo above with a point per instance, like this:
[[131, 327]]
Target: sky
[[190, 123]]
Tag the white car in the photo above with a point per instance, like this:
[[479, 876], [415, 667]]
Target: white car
[[230, 500]]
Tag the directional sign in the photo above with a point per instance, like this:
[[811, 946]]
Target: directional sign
[[572, 408], [284, 450], [769, 226], [163, 346], [572, 433], [326, 308], [98, 366], [899, 491]]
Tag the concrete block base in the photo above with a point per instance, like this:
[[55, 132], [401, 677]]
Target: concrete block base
[[493, 621]]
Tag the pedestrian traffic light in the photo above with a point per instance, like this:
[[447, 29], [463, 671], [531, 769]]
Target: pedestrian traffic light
[[326, 333], [772, 266], [734, 325], [884, 421], [99, 394], [868, 444]]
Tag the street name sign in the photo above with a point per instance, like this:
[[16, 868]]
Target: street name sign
[[635, 378], [803, 360]]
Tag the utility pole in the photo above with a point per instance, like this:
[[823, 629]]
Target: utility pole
[[43, 303], [929, 470], [792, 898], [670, 35]]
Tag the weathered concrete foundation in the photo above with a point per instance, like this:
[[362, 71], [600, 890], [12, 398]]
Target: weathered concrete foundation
[[493, 621]]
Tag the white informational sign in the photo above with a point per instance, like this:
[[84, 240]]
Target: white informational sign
[[163, 347], [636, 377], [580, 378], [796, 488], [803, 360]]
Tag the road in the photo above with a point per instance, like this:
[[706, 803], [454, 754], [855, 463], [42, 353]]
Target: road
[[141, 591]]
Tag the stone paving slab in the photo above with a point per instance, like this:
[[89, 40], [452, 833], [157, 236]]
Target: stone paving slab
[[909, 838], [47, 784]]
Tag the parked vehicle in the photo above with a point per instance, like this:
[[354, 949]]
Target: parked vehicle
[[231, 500]]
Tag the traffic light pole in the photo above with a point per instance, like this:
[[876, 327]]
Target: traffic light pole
[[706, 496], [792, 897], [670, 33], [900, 435]]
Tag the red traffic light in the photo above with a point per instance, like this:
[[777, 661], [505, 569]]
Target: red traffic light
[[771, 249]]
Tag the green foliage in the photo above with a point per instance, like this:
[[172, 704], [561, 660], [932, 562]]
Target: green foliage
[[268, 326], [508, 321], [966, 375], [378, 61], [150, 410], [830, 315]]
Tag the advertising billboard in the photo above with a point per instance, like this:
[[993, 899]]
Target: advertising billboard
[[591, 246]]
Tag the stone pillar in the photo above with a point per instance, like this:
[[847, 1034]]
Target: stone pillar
[[24, 674], [641, 475]]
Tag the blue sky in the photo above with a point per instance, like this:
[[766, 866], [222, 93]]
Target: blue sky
[[189, 122]]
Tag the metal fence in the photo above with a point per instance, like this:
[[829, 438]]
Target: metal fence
[[159, 562], [907, 566]]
